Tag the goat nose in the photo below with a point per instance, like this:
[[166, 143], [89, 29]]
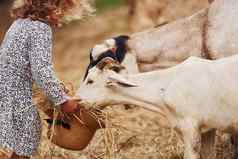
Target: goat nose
[[79, 99]]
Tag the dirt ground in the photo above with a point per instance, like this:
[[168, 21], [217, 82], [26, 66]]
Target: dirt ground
[[140, 134]]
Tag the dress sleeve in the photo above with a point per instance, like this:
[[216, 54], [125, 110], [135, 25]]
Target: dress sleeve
[[40, 58]]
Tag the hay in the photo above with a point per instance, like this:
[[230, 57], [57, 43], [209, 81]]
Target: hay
[[129, 134]]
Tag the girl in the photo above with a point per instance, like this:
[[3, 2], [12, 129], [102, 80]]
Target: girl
[[25, 56]]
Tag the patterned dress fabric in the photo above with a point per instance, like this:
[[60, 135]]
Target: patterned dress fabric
[[25, 57]]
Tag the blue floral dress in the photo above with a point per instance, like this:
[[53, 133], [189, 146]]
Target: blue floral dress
[[25, 56]]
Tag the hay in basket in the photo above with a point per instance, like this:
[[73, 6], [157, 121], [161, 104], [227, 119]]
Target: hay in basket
[[69, 131]]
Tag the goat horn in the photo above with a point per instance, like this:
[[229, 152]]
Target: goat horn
[[104, 62]]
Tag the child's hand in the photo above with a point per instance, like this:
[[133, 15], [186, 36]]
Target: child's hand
[[70, 106]]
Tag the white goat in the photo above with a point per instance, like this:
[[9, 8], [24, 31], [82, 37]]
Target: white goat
[[210, 33], [195, 96]]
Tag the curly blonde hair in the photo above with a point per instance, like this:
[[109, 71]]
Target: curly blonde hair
[[53, 12]]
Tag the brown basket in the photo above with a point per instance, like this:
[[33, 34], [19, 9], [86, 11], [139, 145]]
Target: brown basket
[[75, 131]]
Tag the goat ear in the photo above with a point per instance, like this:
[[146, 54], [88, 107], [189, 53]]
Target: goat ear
[[116, 79]]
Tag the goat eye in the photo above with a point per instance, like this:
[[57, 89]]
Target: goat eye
[[90, 81], [116, 69]]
